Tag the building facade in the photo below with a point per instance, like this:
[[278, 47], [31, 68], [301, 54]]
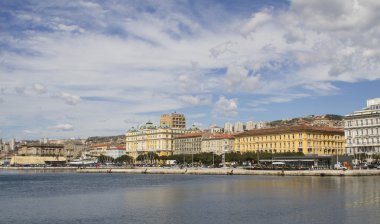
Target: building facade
[[250, 125], [217, 143], [238, 127], [228, 127], [189, 143], [203, 142], [149, 138], [362, 129], [42, 150], [173, 120], [309, 140], [116, 151]]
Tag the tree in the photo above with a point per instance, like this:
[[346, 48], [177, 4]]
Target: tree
[[124, 159], [105, 159]]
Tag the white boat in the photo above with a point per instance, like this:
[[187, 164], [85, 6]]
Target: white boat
[[79, 162]]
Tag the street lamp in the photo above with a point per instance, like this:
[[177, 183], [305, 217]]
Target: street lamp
[[224, 153]]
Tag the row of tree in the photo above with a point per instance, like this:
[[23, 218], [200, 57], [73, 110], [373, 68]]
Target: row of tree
[[200, 158]]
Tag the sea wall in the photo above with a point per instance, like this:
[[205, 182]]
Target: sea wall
[[222, 171]]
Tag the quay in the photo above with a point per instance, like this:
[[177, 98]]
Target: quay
[[36, 168], [229, 171]]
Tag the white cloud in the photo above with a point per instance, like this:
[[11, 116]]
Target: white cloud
[[39, 88], [226, 107], [257, 20], [195, 100], [131, 61], [69, 98], [62, 127], [238, 79]]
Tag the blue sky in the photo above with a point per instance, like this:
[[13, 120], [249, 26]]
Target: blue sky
[[85, 68]]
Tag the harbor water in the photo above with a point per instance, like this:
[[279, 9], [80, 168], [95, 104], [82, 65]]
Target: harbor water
[[69, 197]]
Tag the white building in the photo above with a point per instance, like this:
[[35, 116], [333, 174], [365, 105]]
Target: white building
[[362, 129], [12, 144], [238, 127], [250, 125], [228, 127], [116, 152], [215, 129], [261, 124]]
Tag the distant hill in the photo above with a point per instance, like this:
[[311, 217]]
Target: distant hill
[[331, 120], [117, 139]]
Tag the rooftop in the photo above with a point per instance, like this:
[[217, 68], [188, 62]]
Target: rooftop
[[291, 129]]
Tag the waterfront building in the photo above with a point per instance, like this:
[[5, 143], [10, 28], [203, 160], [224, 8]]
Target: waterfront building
[[362, 129], [217, 143], [73, 149], [250, 125], [173, 120], [310, 140], [189, 143], [149, 138], [228, 127], [199, 142], [97, 150], [238, 127], [38, 149], [116, 151]]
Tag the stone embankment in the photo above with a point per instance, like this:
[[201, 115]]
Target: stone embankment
[[223, 171], [36, 168]]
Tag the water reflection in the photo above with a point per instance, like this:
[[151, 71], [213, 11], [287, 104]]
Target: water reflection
[[121, 198]]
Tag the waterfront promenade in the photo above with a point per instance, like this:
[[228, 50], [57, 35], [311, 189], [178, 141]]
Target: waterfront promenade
[[228, 171], [36, 168]]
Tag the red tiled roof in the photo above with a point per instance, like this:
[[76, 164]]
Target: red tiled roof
[[207, 135], [190, 135], [290, 129], [100, 145]]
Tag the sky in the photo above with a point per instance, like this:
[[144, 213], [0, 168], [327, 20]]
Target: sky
[[94, 68]]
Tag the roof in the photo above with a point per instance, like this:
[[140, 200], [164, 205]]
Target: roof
[[210, 136], [100, 145], [206, 135], [120, 147], [291, 129], [190, 135]]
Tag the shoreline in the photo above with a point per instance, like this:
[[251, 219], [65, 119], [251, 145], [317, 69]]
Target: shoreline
[[208, 171], [37, 168], [229, 171]]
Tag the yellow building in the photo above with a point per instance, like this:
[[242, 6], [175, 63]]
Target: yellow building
[[149, 138], [310, 140], [173, 120]]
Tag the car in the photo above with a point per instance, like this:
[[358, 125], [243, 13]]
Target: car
[[339, 166], [371, 166]]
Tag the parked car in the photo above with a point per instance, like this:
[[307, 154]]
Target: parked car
[[338, 166]]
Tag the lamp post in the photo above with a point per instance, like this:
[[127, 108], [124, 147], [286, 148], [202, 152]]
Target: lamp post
[[224, 154], [213, 160]]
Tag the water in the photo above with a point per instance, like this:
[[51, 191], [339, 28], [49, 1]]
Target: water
[[35, 197]]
